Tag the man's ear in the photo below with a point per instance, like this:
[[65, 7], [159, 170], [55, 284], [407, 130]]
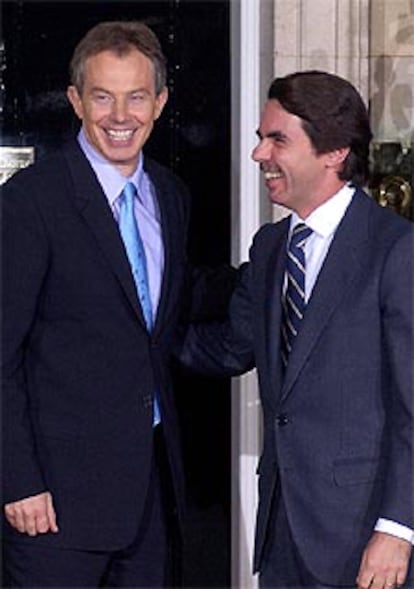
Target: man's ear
[[75, 100], [160, 102], [336, 158]]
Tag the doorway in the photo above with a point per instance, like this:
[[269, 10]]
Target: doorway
[[193, 138]]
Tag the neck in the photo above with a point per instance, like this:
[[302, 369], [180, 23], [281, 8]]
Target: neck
[[311, 206]]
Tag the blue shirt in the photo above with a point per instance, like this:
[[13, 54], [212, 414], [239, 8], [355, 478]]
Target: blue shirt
[[147, 211]]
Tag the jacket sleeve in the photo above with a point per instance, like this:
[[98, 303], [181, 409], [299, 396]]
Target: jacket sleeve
[[397, 285], [24, 267], [222, 348]]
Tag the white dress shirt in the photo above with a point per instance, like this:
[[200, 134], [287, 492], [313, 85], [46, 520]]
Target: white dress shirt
[[324, 221]]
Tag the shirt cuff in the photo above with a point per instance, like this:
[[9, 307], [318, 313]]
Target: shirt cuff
[[394, 529]]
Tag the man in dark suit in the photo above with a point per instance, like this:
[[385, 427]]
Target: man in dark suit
[[328, 323], [87, 402]]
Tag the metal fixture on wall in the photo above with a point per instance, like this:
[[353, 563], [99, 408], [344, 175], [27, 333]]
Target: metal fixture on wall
[[13, 159], [393, 176]]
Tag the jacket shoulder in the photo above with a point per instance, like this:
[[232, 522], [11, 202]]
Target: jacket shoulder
[[45, 174], [270, 234], [164, 176], [170, 188], [384, 221]]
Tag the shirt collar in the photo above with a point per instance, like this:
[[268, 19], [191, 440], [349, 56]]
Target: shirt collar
[[325, 219], [111, 180]]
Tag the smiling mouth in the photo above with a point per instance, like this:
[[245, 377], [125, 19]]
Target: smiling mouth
[[273, 175], [120, 135]]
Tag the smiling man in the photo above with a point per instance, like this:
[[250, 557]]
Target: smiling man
[[325, 312], [89, 423]]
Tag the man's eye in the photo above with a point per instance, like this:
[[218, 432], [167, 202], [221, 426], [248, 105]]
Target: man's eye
[[137, 97], [278, 140], [102, 98]]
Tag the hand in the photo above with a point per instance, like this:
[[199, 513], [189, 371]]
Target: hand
[[32, 515], [384, 562]]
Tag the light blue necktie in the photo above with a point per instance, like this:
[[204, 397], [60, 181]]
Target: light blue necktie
[[294, 301], [136, 255]]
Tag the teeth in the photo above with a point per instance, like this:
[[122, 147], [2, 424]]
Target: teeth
[[272, 175], [119, 135]]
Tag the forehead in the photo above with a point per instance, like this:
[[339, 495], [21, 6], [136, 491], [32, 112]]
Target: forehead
[[110, 65], [275, 118]]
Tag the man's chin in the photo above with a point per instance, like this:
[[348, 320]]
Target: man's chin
[[277, 197]]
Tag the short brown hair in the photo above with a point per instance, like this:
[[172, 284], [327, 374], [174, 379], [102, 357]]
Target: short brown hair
[[333, 116], [119, 37]]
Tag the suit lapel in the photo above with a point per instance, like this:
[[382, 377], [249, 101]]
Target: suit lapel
[[93, 207], [273, 308], [165, 218], [341, 268]]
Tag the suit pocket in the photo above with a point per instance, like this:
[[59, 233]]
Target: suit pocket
[[357, 471]]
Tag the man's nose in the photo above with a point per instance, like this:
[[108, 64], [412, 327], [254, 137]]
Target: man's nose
[[261, 152], [120, 111]]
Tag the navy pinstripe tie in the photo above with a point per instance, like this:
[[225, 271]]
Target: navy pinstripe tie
[[294, 299]]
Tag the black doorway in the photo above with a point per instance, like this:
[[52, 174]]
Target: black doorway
[[193, 138]]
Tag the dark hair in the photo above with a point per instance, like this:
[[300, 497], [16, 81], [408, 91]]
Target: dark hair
[[333, 116], [120, 37]]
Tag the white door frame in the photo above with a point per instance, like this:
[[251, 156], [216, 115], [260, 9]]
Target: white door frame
[[252, 65]]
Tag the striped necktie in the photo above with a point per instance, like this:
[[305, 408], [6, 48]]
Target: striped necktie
[[131, 237], [294, 299]]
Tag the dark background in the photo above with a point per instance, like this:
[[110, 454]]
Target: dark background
[[193, 138]]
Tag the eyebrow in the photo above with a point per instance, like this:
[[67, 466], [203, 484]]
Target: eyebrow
[[134, 91], [99, 89], [278, 135]]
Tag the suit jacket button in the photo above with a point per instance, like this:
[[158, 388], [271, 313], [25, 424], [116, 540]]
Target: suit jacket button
[[282, 419]]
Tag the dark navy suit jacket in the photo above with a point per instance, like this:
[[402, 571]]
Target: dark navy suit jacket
[[338, 427], [78, 367]]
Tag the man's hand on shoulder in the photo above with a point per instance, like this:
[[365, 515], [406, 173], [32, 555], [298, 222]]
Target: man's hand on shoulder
[[384, 562], [32, 515]]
